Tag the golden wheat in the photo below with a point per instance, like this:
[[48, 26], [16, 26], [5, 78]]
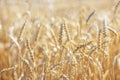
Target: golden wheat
[[59, 40]]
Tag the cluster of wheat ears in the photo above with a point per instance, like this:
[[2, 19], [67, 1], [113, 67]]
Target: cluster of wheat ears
[[87, 49]]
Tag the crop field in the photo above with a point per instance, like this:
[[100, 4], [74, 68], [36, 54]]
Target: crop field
[[59, 39]]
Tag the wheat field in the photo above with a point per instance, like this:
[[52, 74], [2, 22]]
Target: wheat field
[[59, 40]]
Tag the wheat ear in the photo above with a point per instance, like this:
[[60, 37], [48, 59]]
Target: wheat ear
[[19, 36], [90, 15], [99, 40], [37, 34], [116, 7], [67, 32], [8, 69], [80, 46], [26, 63], [30, 50], [60, 34], [112, 30]]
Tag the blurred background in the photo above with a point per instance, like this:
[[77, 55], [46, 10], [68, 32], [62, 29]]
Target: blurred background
[[50, 8]]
